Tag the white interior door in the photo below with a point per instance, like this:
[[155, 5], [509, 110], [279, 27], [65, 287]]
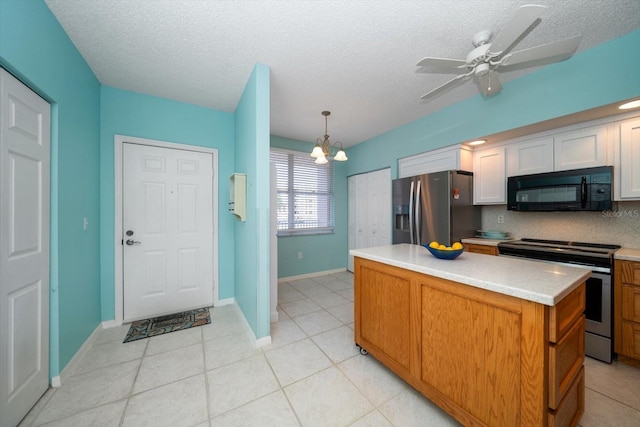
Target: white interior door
[[24, 248], [351, 233], [379, 207], [167, 230], [369, 210]]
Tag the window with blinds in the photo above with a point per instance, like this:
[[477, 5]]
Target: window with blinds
[[305, 193]]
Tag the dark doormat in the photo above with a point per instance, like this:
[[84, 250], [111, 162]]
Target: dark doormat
[[170, 323]]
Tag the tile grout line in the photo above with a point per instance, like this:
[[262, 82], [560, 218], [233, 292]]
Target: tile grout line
[[206, 377], [133, 383], [615, 400]]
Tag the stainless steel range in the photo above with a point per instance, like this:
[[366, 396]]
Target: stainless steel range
[[599, 287]]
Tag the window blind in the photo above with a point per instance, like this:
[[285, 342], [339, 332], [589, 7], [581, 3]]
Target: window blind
[[305, 193]]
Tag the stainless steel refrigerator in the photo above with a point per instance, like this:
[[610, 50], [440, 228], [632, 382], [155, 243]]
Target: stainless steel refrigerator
[[436, 206]]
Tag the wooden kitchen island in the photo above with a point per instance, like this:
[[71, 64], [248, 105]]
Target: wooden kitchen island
[[493, 341]]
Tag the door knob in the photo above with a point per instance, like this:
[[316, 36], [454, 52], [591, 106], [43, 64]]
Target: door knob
[[131, 242]]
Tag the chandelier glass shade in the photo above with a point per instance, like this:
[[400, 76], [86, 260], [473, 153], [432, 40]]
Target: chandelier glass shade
[[323, 150]]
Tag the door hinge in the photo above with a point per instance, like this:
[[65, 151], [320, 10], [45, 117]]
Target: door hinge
[[122, 242]]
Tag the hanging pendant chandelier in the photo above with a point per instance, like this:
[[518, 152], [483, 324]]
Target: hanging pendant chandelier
[[323, 149]]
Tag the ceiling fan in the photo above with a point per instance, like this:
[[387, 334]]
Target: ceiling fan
[[489, 56]]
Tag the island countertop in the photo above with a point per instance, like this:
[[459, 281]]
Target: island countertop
[[529, 280]]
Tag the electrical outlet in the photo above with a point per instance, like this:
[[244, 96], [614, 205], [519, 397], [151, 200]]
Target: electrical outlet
[[299, 255], [500, 219], [85, 224]]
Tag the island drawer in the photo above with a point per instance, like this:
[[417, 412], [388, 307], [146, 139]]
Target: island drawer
[[571, 407], [564, 314], [565, 361]]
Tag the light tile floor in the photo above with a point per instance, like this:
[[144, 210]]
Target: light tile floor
[[311, 375]]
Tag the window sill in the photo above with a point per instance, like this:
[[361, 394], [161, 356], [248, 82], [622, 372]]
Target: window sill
[[314, 232]]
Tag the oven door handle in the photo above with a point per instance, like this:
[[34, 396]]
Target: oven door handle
[[583, 192]]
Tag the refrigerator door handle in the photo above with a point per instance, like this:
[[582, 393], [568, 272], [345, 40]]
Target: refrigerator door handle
[[417, 215], [411, 213]]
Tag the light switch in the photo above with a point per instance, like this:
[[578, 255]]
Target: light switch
[[85, 223]]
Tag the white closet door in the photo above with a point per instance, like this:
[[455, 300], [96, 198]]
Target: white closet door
[[351, 226], [24, 248], [369, 210], [378, 207]]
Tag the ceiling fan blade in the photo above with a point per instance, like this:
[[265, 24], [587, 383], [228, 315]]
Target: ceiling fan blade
[[560, 50], [442, 62], [523, 19], [490, 84], [446, 86]]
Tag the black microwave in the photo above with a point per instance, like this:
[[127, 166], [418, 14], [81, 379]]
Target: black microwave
[[573, 190]]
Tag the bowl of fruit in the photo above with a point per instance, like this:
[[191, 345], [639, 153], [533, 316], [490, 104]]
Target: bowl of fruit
[[445, 252]]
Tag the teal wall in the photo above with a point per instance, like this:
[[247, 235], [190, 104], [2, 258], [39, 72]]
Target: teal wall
[[133, 114], [34, 47], [252, 236], [322, 252], [599, 76]]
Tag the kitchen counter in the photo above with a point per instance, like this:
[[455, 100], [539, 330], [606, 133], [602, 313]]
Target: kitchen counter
[[529, 280], [627, 254]]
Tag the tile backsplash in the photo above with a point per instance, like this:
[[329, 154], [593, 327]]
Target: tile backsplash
[[619, 226]]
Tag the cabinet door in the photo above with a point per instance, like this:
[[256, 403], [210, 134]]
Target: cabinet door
[[489, 176], [630, 159], [631, 302], [449, 158], [527, 157], [582, 148]]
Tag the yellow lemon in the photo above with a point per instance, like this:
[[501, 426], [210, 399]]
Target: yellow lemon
[[456, 246], [442, 247], [448, 248], [434, 245]]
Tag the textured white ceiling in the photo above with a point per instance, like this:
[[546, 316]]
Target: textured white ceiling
[[354, 58]]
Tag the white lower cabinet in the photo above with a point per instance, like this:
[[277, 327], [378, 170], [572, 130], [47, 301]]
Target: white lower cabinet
[[369, 210], [628, 162], [489, 176]]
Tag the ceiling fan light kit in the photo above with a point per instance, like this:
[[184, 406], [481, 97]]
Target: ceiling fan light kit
[[323, 150], [488, 56]]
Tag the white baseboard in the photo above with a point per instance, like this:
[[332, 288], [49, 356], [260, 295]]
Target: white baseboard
[[306, 276], [56, 382], [274, 316], [111, 324], [68, 370], [257, 343], [263, 341], [226, 301]]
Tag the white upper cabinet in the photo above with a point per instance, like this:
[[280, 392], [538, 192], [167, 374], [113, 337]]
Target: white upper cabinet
[[627, 168], [528, 157], [489, 176], [582, 148], [457, 157]]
